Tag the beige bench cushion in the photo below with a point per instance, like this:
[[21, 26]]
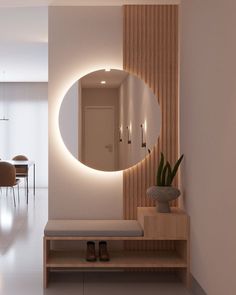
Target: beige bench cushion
[[93, 228]]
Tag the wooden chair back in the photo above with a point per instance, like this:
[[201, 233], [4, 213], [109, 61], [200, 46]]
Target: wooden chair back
[[7, 174], [21, 169]]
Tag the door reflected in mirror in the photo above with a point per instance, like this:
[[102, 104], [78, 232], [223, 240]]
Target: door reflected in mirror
[[109, 119]]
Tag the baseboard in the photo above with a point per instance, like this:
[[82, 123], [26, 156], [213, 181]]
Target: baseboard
[[196, 288]]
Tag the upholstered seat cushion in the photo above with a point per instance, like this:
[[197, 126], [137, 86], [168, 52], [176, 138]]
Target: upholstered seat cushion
[[93, 228]]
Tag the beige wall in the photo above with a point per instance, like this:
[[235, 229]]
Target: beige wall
[[208, 139], [69, 120], [81, 40]]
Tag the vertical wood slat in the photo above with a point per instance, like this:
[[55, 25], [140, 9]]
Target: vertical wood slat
[[151, 52]]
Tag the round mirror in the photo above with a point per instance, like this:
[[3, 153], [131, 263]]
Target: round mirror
[[109, 120]]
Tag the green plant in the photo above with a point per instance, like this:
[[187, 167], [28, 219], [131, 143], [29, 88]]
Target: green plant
[[165, 174]]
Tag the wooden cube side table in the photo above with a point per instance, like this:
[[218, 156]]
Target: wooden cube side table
[[168, 226]]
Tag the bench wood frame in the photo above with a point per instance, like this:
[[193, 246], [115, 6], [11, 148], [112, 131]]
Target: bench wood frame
[[156, 226]]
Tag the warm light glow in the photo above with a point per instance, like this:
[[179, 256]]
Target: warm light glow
[[145, 126], [129, 128], [107, 70], [143, 134], [103, 82], [121, 133]]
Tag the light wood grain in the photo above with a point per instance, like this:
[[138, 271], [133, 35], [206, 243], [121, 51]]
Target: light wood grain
[[182, 248], [166, 226], [46, 247], [108, 238], [128, 259], [158, 227], [150, 51]]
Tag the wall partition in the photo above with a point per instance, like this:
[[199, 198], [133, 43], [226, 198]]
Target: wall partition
[[89, 39], [151, 52]]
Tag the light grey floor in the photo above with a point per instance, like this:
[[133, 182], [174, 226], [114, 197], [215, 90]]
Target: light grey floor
[[21, 232]]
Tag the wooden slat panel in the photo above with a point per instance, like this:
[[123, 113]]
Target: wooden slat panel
[[151, 52]]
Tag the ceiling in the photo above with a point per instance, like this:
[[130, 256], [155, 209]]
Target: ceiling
[[23, 44], [24, 35], [113, 79]]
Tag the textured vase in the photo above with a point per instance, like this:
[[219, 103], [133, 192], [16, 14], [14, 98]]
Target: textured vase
[[163, 195]]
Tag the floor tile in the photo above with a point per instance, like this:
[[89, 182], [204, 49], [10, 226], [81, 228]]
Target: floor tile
[[126, 283]]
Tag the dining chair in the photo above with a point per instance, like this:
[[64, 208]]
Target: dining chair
[[8, 178], [22, 171]]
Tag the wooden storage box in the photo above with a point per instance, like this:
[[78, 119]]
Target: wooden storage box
[[164, 226]]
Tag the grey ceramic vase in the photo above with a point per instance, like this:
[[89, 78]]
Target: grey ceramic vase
[[163, 195]]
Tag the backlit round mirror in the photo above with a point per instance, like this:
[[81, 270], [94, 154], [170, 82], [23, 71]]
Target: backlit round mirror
[[109, 119]]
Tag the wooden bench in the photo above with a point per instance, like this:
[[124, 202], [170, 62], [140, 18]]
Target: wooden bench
[[149, 226]]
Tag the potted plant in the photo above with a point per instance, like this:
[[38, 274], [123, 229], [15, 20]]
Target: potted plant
[[163, 192]]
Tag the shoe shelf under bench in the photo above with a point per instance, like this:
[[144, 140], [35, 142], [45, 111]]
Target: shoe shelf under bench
[[118, 259], [156, 227]]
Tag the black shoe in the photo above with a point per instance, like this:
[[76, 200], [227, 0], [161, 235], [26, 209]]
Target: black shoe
[[103, 252], [90, 252]]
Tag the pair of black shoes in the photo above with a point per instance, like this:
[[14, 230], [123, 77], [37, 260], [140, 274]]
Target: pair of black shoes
[[91, 253]]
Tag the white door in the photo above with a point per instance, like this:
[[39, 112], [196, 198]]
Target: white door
[[99, 137]]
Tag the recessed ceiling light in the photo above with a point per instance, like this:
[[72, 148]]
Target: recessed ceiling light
[[103, 82]]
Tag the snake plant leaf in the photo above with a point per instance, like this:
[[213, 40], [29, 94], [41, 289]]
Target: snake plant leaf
[[159, 171], [163, 179], [169, 173], [175, 169]]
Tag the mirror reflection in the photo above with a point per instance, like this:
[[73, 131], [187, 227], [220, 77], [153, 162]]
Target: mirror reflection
[[109, 119]]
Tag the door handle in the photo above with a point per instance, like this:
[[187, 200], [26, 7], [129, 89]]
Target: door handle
[[109, 147]]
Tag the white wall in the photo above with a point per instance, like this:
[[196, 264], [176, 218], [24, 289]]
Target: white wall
[[26, 105], [208, 139], [81, 40], [69, 119], [138, 105]]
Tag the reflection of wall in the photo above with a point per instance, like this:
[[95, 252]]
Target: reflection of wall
[[69, 120], [137, 106], [102, 97], [89, 38]]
